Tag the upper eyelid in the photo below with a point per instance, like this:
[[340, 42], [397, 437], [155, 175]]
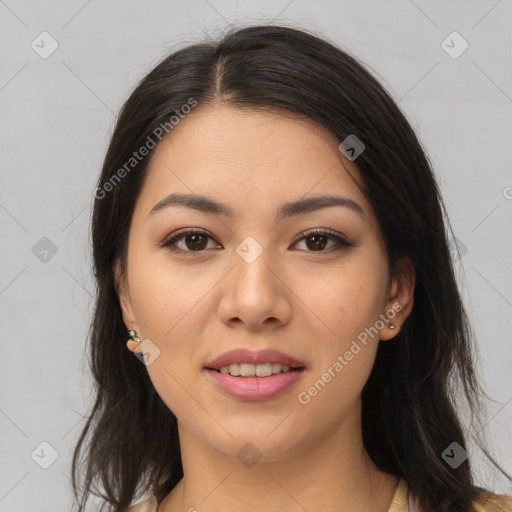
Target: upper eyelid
[[186, 232]]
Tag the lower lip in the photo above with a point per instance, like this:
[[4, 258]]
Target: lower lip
[[255, 388]]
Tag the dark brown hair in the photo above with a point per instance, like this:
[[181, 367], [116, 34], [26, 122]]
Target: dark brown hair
[[129, 444]]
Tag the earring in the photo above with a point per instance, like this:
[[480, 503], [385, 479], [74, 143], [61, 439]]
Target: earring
[[392, 326], [133, 336], [134, 339]]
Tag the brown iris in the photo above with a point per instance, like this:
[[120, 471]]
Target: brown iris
[[198, 242], [319, 242]]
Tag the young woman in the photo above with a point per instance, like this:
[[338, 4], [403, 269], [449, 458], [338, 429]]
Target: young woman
[[269, 236]]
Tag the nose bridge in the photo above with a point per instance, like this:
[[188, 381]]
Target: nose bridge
[[254, 292], [253, 266]]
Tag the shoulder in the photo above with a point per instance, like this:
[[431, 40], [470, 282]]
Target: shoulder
[[490, 502], [487, 502], [148, 505]]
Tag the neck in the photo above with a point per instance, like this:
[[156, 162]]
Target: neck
[[334, 473]]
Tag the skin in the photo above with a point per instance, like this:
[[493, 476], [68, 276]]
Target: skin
[[306, 302]]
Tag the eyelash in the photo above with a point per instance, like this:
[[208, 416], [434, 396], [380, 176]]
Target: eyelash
[[169, 242]]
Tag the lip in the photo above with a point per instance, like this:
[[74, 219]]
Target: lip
[[255, 388], [243, 355]]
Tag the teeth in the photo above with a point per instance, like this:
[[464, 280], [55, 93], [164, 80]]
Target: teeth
[[254, 370]]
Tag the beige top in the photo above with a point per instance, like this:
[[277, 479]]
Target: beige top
[[398, 503], [402, 501]]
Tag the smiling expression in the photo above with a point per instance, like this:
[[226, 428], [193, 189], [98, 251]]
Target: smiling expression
[[249, 233]]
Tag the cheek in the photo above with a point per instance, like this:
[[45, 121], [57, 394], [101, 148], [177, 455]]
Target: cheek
[[166, 304], [165, 297], [361, 299], [347, 299], [349, 305], [172, 311]]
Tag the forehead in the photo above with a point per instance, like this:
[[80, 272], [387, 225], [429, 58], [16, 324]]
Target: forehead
[[241, 139], [249, 158]]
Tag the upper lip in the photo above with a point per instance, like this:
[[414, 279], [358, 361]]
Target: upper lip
[[243, 355]]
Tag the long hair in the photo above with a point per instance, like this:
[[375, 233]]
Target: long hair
[[129, 444]]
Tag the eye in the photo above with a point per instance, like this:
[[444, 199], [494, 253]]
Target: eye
[[317, 239], [196, 240], [192, 240]]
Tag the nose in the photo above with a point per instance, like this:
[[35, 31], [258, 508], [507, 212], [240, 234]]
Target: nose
[[255, 295]]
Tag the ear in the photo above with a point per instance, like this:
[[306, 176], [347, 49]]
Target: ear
[[125, 301], [400, 300]]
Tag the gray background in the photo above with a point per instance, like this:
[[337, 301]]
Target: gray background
[[57, 114]]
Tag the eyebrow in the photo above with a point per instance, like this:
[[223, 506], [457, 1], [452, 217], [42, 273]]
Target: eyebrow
[[302, 206]]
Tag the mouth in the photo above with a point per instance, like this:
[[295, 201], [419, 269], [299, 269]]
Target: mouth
[[249, 388], [254, 375]]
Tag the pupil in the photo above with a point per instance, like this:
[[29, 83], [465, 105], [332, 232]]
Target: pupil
[[319, 241]]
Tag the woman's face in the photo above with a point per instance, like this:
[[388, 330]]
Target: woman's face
[[252, 279]]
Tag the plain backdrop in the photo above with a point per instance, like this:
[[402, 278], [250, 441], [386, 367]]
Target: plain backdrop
[[58, 110]]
